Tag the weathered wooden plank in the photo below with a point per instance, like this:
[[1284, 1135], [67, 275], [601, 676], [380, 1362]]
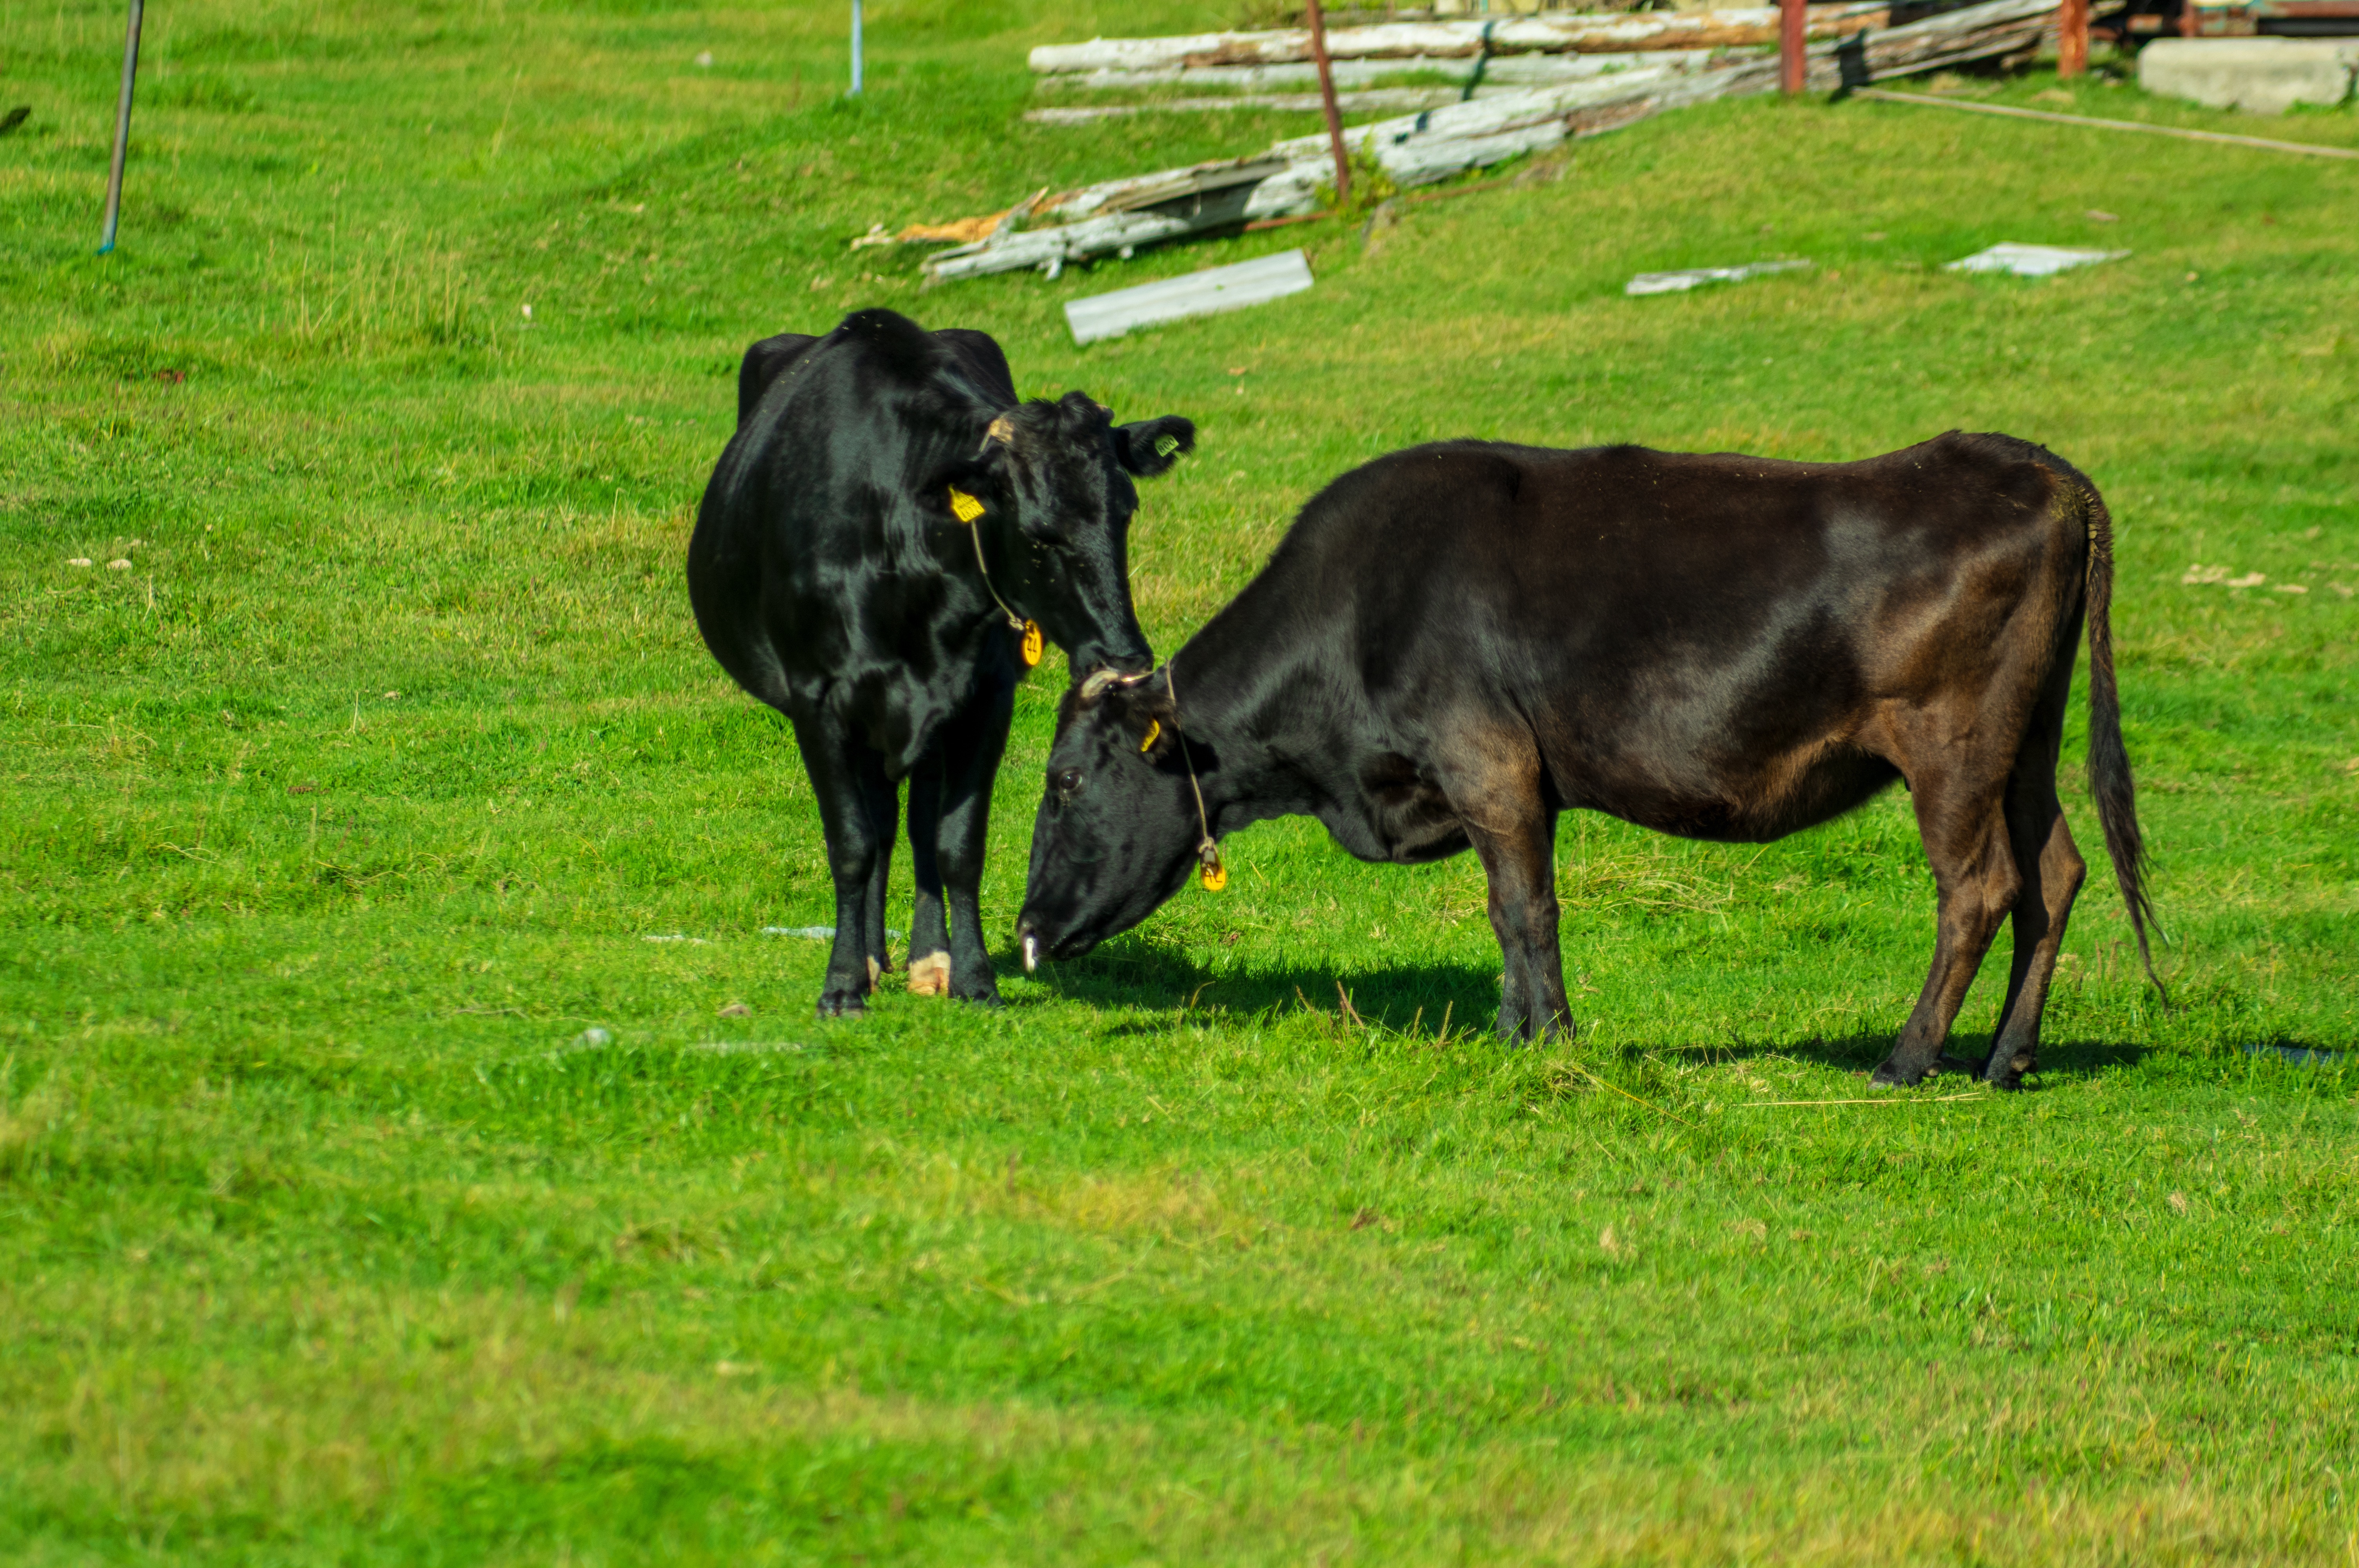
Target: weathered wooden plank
[[1515, 71], [1377, 101], [1205, 293], [1603, 33]]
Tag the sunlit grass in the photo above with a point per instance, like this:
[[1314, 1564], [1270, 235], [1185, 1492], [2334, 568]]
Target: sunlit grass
[[391, 765]]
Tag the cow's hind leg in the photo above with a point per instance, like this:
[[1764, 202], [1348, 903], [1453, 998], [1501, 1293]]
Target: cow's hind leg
[[2052, 872], [971, 747], [1513, 828], [1965, 837], [849, 779], [929, 941]]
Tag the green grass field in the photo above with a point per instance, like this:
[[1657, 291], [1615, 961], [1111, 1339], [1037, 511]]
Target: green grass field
[[392, 763]]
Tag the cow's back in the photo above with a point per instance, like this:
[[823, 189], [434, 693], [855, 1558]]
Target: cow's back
[[1658, 619], [806, 545]]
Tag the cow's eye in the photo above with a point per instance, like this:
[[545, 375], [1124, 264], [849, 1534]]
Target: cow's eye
[[1069, 780]]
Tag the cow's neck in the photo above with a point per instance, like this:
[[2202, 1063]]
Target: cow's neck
[[1252, 720]]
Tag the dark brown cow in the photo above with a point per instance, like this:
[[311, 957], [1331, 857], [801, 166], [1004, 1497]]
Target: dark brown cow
[[1456, 643]]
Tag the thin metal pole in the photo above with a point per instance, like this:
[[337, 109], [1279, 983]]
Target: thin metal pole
[[2095, 123], [1793, 59], [855, 47], [1327, 101], [122, 127]]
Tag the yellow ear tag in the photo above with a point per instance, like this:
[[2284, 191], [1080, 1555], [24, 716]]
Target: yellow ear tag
[[1030, 647], [1215, 875], [966, 509], [1154, 730]]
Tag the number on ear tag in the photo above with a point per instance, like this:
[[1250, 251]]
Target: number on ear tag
[[1030, 646], [1166, 445], [1154, 731], [1214, 874], [966, 507]]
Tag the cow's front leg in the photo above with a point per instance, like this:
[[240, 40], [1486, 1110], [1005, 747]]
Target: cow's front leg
[[929, 941], [1514, 833], [971, 747], [848, 779]]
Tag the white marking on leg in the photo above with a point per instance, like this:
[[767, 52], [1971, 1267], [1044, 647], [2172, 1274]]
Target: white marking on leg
[[931, 975]]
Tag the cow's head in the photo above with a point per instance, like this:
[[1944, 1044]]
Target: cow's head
[[1056, 479], [1117, 831]]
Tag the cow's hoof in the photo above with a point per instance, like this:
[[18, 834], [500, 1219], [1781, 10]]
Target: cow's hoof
[[1890, 1077], [2006, 1072], [984, 995], [841, 1004]]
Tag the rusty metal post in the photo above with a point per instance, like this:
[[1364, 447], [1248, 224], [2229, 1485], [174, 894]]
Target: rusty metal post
[[2190, 24], [1327, 101], [2072, 39], [1793, 63]]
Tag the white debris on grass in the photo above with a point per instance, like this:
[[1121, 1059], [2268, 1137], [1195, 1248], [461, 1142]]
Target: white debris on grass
[[2200, 575], [591, 1038], [1215, 289], [2031, 261], [677, 936], [1675, 282], [814, 933]]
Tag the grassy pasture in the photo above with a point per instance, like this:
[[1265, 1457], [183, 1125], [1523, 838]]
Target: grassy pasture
[[392, 763]]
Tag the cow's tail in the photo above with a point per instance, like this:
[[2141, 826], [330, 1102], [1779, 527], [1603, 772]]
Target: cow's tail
[[2109, 761]]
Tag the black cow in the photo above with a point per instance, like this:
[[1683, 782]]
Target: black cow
[[1458, 642], [834, 577]]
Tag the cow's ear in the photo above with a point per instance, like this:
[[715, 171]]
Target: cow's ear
[[1136, 708], [1152, 446], [1149, 719], [979, 473]]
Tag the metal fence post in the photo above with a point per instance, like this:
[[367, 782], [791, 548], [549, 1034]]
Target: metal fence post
[[1793, 64], [122, 128], [2072, 39], [855, 46], [1327, 104]]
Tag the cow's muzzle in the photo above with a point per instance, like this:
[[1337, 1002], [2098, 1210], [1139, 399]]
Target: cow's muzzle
[[1128, 665], [1036, 946]]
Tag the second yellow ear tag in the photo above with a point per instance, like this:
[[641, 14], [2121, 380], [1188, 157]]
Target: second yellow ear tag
[[966, 509], [1215, 875], [1030, 647], [1154, 730]]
